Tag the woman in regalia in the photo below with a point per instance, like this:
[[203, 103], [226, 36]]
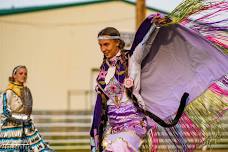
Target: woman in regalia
[[170, 88], [126, 126], [17, 131]]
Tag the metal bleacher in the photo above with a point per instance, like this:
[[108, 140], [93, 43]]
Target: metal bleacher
[[69, 131], [64, 131]]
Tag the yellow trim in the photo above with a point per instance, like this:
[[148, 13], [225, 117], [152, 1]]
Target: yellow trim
[[16, 88]]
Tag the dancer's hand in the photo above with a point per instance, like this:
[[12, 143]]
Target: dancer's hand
[[96, 139], [158, 20]]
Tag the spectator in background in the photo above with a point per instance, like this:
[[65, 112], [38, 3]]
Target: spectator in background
[[18, 132]]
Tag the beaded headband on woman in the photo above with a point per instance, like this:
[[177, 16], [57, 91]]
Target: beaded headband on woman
[[17, 68], [108, 37]]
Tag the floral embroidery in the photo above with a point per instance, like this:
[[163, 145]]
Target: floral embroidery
[[114, 88], [128, 82], [102, 74], [112, 62]]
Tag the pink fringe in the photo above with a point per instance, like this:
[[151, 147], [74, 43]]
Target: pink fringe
[[155, 141], [218, 90], [191, 132], [210, 38]]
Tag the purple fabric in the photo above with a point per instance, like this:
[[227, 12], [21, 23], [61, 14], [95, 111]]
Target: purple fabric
[[126, 118], [141, 32], [96, 115], [98, 106], [184, 62]]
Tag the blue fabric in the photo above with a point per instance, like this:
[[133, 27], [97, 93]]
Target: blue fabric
[[5, 110]]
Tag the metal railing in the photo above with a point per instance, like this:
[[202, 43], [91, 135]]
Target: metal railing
[[88, 95]]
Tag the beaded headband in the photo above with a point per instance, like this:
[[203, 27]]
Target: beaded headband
[[16, 68], [107, 37]]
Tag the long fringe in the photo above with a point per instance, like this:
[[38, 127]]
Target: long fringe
[[206, 111], [185, 9], [196, 126], [206, 17]]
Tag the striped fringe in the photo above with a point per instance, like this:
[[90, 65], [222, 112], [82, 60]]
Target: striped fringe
[[189, 7], [197, 126], [206, 111], [11, 139], [206, 17], [185, 9]]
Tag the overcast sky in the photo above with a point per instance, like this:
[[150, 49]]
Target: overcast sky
[[165, 5]]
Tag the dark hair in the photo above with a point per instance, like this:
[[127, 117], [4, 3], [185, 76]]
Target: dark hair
[[11, 78], [111, 31]]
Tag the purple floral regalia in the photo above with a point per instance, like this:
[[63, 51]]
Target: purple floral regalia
[[119, 119], [188, 54]]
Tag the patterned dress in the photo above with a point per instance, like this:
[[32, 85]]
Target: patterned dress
[[126, 126], [17, 132]]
